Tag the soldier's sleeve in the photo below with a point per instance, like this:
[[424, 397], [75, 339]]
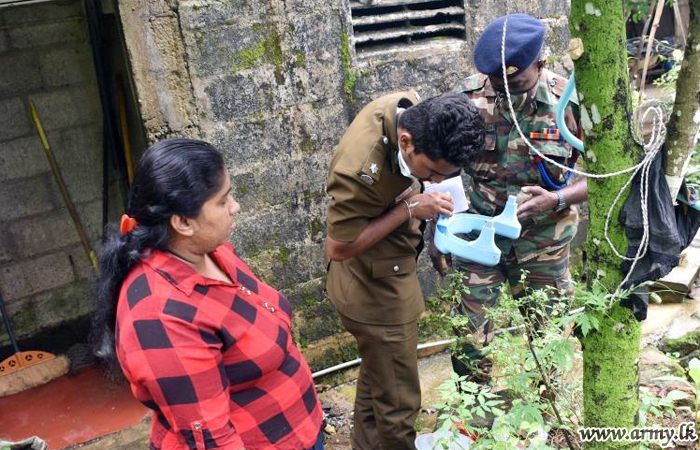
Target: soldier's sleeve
[[472, 83], [352, 206]]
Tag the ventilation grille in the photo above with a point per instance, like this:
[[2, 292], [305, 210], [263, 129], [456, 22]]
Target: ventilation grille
[[396, 23]]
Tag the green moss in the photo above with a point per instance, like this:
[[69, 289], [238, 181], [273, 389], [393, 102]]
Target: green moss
[[412, 63], [300, 59], [307, 146], [349, 75], [610, 394], [248, 57], [684, 345], [315, 227], [199, 39], [242, 189], [25, 320], [273, 48], [267, 51], [283, 254], [330, 351]]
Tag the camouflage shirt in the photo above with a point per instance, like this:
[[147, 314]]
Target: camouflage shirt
[[506, 164]]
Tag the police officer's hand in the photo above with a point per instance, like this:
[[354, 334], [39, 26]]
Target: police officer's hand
[[442, 262], [541, 200], [427, 206]]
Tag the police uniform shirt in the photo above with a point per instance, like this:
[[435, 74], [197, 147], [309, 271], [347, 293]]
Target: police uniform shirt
[[380, 285]]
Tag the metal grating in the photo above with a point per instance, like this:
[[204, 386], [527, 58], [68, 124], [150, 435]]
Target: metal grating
[[378, 24]]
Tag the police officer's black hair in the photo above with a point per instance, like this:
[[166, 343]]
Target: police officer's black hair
[[173, 177], [447, 127]]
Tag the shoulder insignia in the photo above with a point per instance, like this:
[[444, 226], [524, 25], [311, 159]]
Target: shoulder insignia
[[473, 83], [371, 170], [557, 84]]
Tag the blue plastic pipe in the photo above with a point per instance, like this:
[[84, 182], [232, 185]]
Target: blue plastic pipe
[[561, 107]]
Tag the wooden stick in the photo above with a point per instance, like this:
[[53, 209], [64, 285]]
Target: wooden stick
[[62, 187], [652, 34], [640, 47]]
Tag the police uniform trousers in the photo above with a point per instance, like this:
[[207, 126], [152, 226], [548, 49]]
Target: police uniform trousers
[[388, 396], [547, 271]]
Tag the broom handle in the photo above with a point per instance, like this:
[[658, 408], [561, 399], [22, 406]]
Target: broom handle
[[8, 325], [62, 187]]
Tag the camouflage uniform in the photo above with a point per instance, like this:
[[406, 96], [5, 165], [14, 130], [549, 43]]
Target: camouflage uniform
[[506, 165]]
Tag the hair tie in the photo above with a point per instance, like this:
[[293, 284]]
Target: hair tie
[[127, 224]]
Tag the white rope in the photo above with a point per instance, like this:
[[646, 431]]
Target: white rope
[[651, 149]]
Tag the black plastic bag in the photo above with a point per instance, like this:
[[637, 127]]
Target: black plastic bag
[[671, 229]]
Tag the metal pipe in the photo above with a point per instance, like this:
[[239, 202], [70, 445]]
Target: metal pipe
[[9, 3]]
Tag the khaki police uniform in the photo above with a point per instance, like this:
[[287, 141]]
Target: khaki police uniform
[[377, 292]]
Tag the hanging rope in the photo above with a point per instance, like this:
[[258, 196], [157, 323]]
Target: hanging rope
[[651, 148]]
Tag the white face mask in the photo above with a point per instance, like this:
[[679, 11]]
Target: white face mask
[[403, 165]]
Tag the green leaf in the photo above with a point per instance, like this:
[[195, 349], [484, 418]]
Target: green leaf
[[584, 322], [676, 395], [694, 370]]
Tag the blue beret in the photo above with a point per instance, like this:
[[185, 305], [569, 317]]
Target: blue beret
[[524, 37]]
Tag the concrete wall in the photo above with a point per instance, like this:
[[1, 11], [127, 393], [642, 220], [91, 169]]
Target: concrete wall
[[45, 58], [274, 84]]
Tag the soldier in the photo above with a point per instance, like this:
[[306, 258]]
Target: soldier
[[376, 218], [506, 167]]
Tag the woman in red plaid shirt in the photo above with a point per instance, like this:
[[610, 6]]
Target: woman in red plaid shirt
[[203, 342]]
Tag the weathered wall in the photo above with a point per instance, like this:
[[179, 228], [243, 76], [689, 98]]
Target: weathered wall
[[45, 58], [270, 83]]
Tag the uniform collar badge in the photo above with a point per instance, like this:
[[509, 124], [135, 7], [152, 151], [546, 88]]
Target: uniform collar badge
[[373, 168]]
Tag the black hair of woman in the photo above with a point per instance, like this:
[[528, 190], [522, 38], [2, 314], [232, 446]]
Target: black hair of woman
[[173, 177]]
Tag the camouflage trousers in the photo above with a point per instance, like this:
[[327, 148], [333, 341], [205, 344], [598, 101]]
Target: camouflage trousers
[[548, 271]]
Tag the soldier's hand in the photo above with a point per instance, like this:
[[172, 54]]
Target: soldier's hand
[[442, 262], [428, 206], [541, 201]]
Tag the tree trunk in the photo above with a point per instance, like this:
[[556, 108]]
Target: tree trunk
[[685, 121], [610, 379]]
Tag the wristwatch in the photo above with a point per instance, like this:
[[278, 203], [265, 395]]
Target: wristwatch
[[561, 202]]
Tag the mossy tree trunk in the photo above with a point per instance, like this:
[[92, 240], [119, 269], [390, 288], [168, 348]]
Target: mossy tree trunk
[[685, 120], [610, 354]]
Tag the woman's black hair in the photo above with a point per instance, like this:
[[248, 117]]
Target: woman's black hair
[[173, 177]]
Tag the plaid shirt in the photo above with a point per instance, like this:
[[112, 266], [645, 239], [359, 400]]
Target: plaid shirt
[[214, 361]]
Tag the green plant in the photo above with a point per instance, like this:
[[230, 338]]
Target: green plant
[[667, 81], [651, 406], [526, 363], [652, 409], [694, 372]]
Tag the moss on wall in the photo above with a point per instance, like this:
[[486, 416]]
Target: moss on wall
[[266, 51], [683, 345], [349, 75]]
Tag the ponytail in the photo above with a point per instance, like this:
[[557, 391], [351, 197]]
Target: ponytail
[[174, 176]]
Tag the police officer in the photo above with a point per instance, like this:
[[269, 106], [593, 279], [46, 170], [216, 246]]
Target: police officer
[[506, 167], [376, 218]]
